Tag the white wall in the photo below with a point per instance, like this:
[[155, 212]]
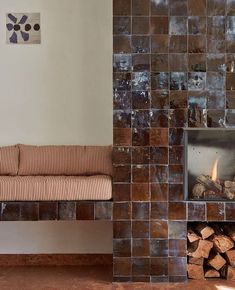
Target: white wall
[[56, 237], [59, 92]]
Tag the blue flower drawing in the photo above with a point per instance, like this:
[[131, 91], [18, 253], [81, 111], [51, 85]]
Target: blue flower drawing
[[15, 26]]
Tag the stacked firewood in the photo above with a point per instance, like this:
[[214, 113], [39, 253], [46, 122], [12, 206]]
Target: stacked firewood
[[211, 251]]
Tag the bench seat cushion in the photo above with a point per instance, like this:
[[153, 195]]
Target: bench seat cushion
[[45, 188], [9, 160], [65, 160]]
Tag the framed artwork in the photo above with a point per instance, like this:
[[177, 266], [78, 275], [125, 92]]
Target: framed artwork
[[23, 28]]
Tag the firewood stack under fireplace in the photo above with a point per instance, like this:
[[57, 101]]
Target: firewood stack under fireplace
[[211, 251]]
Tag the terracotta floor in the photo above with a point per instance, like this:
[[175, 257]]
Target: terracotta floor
[[85, 278]]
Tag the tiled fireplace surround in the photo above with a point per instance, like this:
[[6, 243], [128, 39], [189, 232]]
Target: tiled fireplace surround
[[173, 69]]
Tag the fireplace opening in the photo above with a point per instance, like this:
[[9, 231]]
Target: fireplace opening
[[211, 250], [210, 164]]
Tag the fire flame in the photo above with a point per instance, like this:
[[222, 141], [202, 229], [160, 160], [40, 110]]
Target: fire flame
[[215, 170]]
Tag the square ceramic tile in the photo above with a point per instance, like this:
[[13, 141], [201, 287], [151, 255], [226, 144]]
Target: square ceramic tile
[[160, 62], [197, 100], [216, 62], [160, 43], [122, 62], [121, 25], [159, 81], [215, 81], [197, 62], [159, 25], [140, 25], [197, 7], [178, 7], [216, 7], [216, 100], [159, 7], [196, 81], [178, 62], [230, 25], [215, 45], [197, 25], [178, 25], [197, 44], [178, 44], [230, 7], [230, 43], [216, 26], [178, 81], [140, 81]]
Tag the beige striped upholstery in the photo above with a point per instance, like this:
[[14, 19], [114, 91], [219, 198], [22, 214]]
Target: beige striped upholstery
[[65, 160], [9, 160], [45, 188]]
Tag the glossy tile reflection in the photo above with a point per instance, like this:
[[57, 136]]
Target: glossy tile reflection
[[174, 68]]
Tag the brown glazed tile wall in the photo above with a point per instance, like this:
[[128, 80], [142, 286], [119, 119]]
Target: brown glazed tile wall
[[56, 210], [174, 64]]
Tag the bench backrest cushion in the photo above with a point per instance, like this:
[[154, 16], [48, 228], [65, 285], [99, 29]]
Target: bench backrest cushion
[[65, 160], [9, 160]]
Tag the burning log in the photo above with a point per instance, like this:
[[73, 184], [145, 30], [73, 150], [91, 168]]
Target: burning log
[[229, 189], [230, 184], [229, 194], [210, 187], [209, 183], [212, 273], [212, 195], [198, 190]]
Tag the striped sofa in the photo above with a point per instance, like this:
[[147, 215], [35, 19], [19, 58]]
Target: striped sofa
[[50, 173]]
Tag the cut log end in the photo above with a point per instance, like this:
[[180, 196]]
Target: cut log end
[[211, 251], [231, 273], [212, 273], [198, 190], [195, 271], [217, 261], [203, 249], [205, 231], [222, 243], [196, 261], [209, 184], [230, 255], [192, 236]]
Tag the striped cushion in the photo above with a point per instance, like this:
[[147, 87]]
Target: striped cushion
[[9, 160], [45, 188], [65, 160]]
